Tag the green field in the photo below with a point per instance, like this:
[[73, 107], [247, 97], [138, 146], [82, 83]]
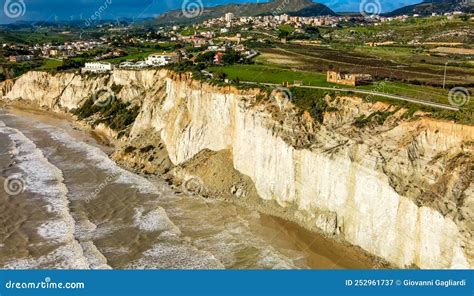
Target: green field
[[32, 36], [271, 74], [396, 53], [278, 75], [425, 93], [49, 64]]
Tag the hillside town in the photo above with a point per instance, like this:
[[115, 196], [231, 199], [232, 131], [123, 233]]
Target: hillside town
[[119, 47], [217, 27]]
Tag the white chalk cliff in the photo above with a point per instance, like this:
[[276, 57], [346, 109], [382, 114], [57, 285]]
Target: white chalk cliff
[[402, 190]]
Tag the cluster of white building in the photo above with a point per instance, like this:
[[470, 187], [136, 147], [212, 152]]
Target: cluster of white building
[[97, 67], [153, 60], [271, 21], [68, 49], [161, 59]]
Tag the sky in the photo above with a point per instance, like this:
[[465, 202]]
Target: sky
[[42, 10]]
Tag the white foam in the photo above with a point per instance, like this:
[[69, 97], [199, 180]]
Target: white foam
[[88, 231], [68, 256], [176, 256], [46, 181], [95, 258], [154, 220], [102, 161], [229, 238], [233, 235], [271, 259], [57, 231], [85, 226], [40, 176]]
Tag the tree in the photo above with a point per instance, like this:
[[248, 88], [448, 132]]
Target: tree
[[283, 34], [231, 57], [200, 66], [313, 32], [70, 64], [220, 75], [207, 57]]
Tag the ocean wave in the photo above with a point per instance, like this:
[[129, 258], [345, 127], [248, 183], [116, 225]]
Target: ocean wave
[[68, 256], [40, 176], [101, 160], [223, 244], [154, 220], [57, 231], [45, 180], [171, 255]]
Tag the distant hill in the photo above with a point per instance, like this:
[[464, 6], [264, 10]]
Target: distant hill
[[428, 7], [277, 7]]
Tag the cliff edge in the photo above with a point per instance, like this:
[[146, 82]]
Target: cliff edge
[[399, 188]]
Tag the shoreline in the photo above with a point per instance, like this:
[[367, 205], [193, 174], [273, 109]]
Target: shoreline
[[317, 246]]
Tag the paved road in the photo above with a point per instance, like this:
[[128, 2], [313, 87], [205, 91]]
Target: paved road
[[374, 93]]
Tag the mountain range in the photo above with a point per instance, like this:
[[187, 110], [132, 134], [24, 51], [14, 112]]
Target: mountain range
[[274, 7], [428, 7], [300, 8]]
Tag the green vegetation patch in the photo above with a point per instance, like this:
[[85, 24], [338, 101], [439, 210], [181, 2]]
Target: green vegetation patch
[[269, 74], [312, 101], [379, 117], [50, 64], [116, 114]]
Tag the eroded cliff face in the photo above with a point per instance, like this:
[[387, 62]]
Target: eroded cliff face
[[402, 190]]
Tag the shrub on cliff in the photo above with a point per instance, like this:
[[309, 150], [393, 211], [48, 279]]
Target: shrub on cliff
[[310, 100], [378, 117], [116, 114], [86, 110]]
